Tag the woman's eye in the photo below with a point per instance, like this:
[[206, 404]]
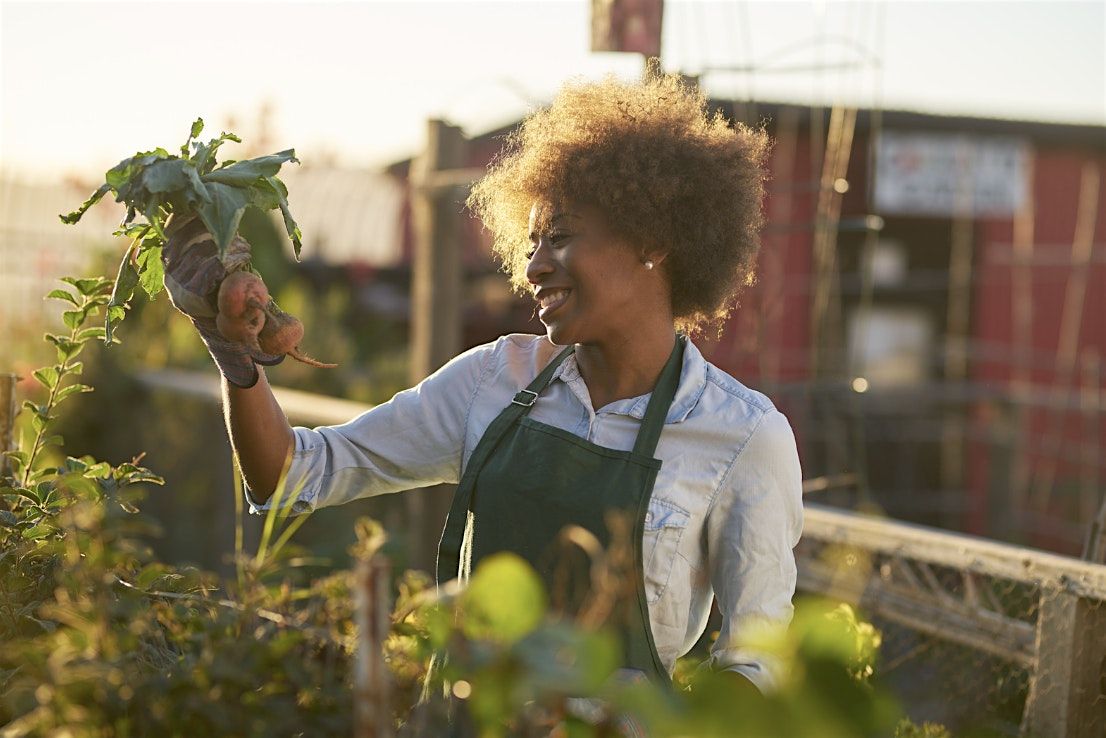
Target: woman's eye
[[553, 239]]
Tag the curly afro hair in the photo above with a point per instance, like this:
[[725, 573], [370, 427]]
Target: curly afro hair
[[669, 177]]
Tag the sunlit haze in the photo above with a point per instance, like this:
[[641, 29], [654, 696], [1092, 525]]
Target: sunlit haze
[[352, 83]]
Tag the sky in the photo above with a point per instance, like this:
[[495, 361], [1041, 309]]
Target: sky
[[84, 84]]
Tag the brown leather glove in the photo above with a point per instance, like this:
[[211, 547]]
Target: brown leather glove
[[193, 273]]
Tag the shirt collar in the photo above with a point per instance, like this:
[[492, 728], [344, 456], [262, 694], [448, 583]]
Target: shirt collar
[[693, 380]]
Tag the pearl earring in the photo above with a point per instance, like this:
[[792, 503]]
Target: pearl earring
[[648, 264]]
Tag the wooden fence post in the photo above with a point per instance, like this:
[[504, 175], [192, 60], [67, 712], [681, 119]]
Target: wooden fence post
[[372, 707], [7, 418], [436, 279], [1067, 692], [436, 302]]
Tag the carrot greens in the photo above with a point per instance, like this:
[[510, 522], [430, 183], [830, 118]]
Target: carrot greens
[[156, 184]]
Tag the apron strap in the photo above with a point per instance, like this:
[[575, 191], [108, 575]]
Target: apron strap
[[655, 414], [520, 405], [545, 377], [452, 548]]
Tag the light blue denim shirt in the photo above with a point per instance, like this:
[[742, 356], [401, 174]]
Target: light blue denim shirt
[[725, 513]]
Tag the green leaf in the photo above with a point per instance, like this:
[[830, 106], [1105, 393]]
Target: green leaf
[[73, 464], [150, 574], [151, 272], [73, 318], [39, 531], [166, 175], [81, 485], [54, 440], [133, 231], [89, 333], [153, 212], [289, 223], [139, 476], [262, 195], [204, 156], [98, 470], [38, 422], [504, 600], [28, 493], [125, 281], [196, 192], [72, 389], [245, 173], [18, 457], [94, 198], [87, 286], [67, 348], [47, 376], [197, 129], [119, 177], [61, 295], [223, 214]]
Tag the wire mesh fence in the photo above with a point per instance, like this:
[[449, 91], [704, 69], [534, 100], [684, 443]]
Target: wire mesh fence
[[975, 635]]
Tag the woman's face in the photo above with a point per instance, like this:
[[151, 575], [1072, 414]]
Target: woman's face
[[591, 286]]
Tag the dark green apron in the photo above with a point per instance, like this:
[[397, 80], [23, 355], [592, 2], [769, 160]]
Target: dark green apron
[[527, 480]]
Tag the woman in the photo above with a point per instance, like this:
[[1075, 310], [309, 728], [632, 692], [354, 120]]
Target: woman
[[631, 216]]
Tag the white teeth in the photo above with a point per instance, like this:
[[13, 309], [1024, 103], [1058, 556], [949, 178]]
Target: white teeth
[[551, 297]]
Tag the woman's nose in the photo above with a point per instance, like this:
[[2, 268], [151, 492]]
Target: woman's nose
[[539, 265]]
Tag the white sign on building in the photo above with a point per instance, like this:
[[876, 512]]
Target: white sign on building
[[949, 174]]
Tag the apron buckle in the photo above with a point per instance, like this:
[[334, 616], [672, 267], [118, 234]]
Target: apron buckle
[[526, 398]]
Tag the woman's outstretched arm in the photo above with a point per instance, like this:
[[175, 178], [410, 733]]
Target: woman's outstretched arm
[[260, 434]]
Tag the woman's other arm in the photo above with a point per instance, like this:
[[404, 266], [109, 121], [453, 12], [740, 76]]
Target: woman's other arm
[[751, 533]]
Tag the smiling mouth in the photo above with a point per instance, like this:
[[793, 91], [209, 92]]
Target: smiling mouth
[[551, 300]]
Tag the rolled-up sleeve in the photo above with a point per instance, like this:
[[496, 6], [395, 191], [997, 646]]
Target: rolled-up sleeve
[[416, 439], [752, 528]]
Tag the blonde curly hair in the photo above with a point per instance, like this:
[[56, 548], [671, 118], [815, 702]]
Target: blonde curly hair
[[668, 176]]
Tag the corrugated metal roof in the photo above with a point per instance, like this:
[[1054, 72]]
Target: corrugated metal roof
[[347, 215]]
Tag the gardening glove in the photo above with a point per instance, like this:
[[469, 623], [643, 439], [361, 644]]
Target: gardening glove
[[193, 273]]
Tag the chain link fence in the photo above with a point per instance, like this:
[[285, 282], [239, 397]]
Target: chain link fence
[[976, 635]]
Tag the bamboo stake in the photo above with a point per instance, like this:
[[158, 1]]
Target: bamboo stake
[[1022, 307], [843, 152], [772, 303], [825, 304], [826, 295], [1071, 320], [1092, 439], [7, 418], [372, 691], [1095, 548], [1089, 399], [820, 261], [956, 331]]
